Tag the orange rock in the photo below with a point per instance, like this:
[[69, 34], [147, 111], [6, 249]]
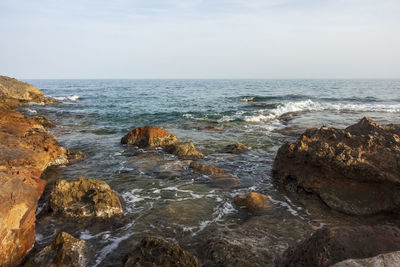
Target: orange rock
[[254, 202], [149, 136]]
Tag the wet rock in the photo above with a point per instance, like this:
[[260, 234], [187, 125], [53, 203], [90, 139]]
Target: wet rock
[[254, 202], [355, 170], [65, 250], [44, 121], [388, 259], [18, 203], [185, 150], [158, 252], [149, 136], [328, 246], [211, 128], [236, 148], [67, 157], [83, 198], [220, 177]]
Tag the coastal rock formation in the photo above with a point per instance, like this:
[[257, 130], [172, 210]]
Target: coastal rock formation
[[211, 128], [236, 148], [44, 121], [387, 259], [83, 198], [149, 136], [254, 202], [328, 246], [18, 203], [65, 250], [219, 176], [355, 170], [158, 252], [185, 150]]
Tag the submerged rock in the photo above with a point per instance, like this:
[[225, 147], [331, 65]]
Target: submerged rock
[[185, 150], [355, 170], [254, 202], [387, 260], [328, 246], [220, 177], [44, 121], [65, 250], [158, 252], [211, 128], [236, 148], [83, 198], [149, 136]]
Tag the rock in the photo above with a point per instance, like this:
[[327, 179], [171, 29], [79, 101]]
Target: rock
[[158, 252], [18, 203], [254, 202], [328, 246], [65, 250], [388, 259], [185, 150], [236, 148], [211, 128], [149, 136], [355, 170], [44, 121], [219, 176], [83, 198]]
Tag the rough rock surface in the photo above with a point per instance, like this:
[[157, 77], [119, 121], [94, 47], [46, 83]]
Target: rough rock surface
[[18, 203], [158, 252], [185, 150], [149, 136], [44, 121], [219, 176], [65, 250], [254, 202], [83, 198], [383, 260], [236, 148], [355, 170], [328, 246]]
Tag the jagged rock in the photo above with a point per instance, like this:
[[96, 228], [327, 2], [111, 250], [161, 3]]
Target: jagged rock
[[18, 203], [328, 246], [65, 250], [158, 252], [355, 170], [185, 150], [384, 260], [149, 136], [44, 121], [83, 198], [236, 148], [254, 202], [219, 176]]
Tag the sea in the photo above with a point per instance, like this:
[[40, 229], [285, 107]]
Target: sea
[[161, 195]]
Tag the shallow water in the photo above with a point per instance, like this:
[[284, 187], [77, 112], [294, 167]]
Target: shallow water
[[161, 195]]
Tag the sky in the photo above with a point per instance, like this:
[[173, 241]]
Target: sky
[[216, 39]]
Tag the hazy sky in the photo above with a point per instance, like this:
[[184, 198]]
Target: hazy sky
[[200, 38]]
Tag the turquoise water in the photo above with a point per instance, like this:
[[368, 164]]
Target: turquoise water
[[161, 195]]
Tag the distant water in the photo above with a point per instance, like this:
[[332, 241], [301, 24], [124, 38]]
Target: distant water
[[162, 197]]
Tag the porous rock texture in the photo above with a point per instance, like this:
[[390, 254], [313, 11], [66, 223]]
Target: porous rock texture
[[158, 252], [149, 136], [382, 260], [84, 198], [355, 170]]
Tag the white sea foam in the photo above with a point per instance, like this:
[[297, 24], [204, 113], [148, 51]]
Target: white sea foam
[[70, 98], [32, 111]]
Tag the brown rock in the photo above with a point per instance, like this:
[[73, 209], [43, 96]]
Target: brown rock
[[83, 198], [44, 122], [254, 202], [149, 136], [18, 203], [328, 246], [236, 148], [65, 250], [355, 170], [387, 259], [185, 150], [158, 252], [211, 128], [219, 176]]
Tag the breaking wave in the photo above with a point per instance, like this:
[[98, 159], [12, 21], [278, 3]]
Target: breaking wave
[[70, 98]]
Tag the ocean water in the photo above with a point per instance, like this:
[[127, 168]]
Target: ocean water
[[161, 195]]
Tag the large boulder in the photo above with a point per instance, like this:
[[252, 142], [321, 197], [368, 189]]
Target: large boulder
[[84, 198], [383, 260], [355, 170], [254, 202], [328, 246], [149, 136], [65, 250], [220, 177], [185, 150], [158, 252], [18, 203]]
